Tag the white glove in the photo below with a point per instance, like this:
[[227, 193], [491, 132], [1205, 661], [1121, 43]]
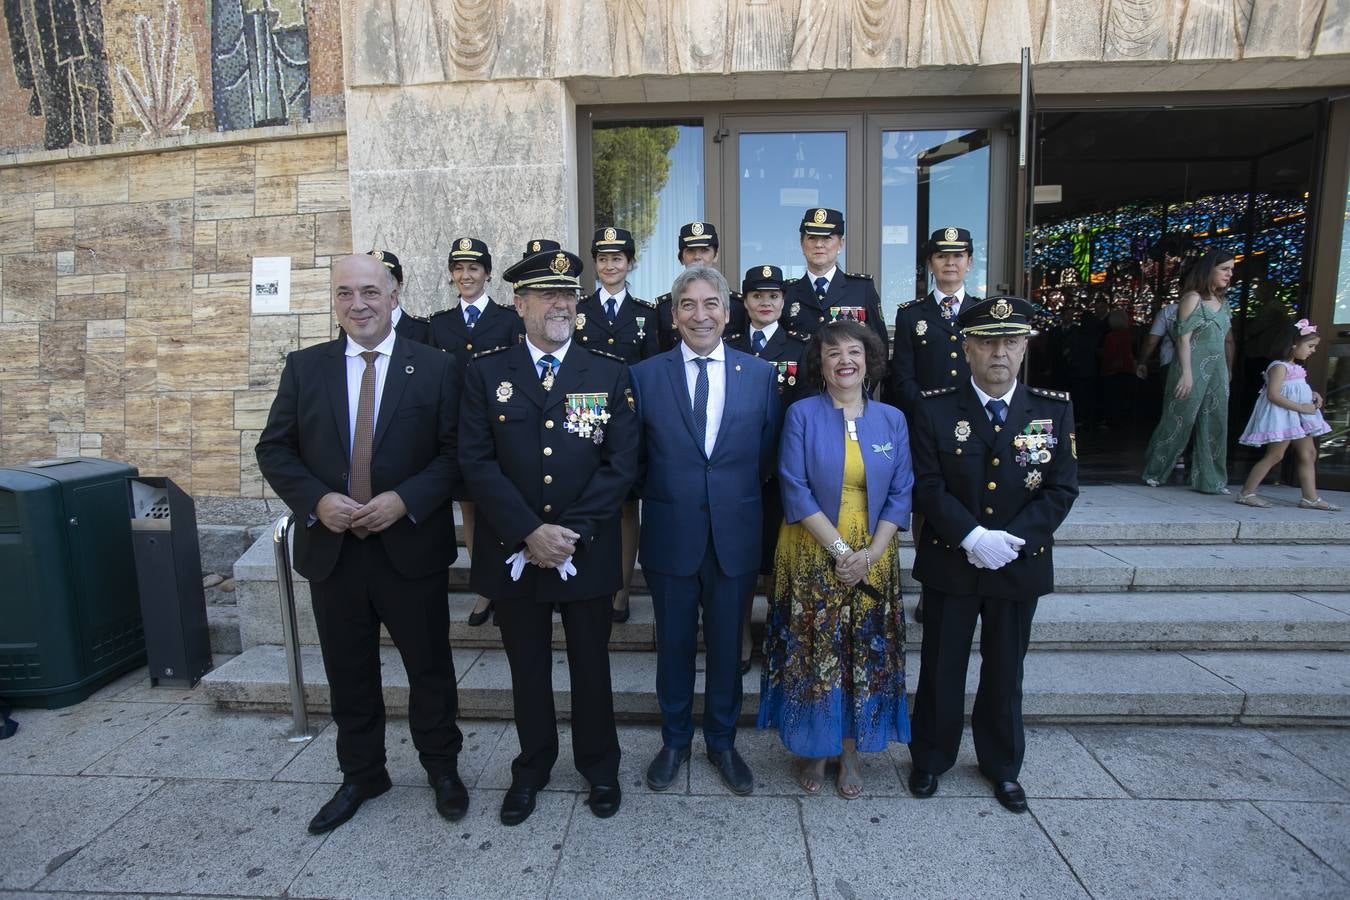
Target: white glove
[[995, 549], [516, 562], [566, 569]]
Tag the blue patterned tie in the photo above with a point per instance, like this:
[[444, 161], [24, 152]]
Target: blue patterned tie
[[701, 402], [821, 286], [757, 342], [471, 315], [998, 411], [611, 310]]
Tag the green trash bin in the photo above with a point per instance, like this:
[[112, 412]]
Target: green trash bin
[[70, 617]]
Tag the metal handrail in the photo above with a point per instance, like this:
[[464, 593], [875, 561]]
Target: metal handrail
[[290, 635]]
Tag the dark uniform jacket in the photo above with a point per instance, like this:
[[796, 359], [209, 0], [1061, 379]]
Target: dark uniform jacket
[[414, 328], [1021, 479], [531, 466], [497, 326], [784, 347], [928, 353], [626, 338], [804, 314], [668, 337], [304, 452]]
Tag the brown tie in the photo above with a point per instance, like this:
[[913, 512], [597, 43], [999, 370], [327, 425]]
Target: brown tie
[[363, 441]]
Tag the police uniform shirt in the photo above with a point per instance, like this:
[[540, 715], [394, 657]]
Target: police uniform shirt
[[928, 353], [804, 312], [626, 337]]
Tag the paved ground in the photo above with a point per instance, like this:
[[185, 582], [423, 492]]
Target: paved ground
[[152, 791]]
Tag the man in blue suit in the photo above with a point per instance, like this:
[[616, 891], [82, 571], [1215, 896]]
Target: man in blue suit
[[709, 419]]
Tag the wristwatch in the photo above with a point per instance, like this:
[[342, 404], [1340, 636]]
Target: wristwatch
[[839, 548]]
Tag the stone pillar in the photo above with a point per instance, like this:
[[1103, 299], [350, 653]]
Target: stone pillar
[[489, 159]]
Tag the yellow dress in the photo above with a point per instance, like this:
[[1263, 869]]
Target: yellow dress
[[835, 656]]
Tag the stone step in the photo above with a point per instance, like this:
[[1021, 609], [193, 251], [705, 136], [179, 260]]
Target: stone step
[[1252, 687], [1109, 621], [222, 622]]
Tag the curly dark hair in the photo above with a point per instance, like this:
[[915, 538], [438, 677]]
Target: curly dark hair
[[834, 334]]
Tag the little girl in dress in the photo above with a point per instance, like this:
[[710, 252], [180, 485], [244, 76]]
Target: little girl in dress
[[1287, 411]]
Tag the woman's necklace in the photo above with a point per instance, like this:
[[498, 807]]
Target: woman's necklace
[[852, 426]]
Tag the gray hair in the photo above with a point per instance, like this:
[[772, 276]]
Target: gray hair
[[701, 273]]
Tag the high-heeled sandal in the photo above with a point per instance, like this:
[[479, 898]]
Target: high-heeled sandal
[[1253, 500]]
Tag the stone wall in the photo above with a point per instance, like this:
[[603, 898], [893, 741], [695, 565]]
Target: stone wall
[[125, 328]]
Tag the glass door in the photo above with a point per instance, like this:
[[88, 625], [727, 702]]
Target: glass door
[[951, 188]]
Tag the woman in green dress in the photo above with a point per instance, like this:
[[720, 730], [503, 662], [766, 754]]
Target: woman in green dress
[[1196, 397]]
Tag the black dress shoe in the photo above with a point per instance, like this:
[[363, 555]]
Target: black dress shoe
[[619, 616], [452, 798], [663, 770], [735, 773], [604, 800], [918, 611], [1011, 796], [745, 665], [346, 802], [517, 805], [922, 784], [478, 618]]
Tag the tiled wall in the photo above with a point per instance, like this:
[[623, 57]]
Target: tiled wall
[[125, 329]]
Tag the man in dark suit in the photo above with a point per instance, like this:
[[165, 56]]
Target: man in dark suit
[[928, 352], [698, 245], [824, 292], [995, 473], [414, 328], [360, 444], [548, 429], [710, 427]]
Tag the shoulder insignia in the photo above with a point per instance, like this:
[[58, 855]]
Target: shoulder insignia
[[664, 298], [804, 338], [733, 337], [604, 354], [908, 303], [491, 351], [791, 281], [857, 275], [415, 317], [1053, 395], [650, 304], [937, 392], [439, 313]]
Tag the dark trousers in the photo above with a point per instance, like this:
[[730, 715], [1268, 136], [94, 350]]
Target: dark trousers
[[676, 599], [939, 706], [363, 591], [527, 635]]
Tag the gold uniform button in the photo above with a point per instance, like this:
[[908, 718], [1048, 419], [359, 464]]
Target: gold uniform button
[[953, 373], [548, 451], [995, 460], [988, 510], [822, 318], [548, 479], [468, 346], [991, 485], [548, 424], [548, 507], [958, 451], [953, 354], [952, 336], [501, 418], [611, 340]]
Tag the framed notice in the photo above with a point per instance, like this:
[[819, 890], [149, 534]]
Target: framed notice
[[270, 288]]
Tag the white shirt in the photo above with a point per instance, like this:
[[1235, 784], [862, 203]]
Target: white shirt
[[985, 398], [828, 276], [536, 354], [480, 304], [356, 368], [1162, 326], [618, 299], [717, 388], [960, 297], [768, 331], [395, 316]]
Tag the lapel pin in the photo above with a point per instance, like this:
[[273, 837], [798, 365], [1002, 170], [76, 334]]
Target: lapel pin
[[408, 369], [738, 368]]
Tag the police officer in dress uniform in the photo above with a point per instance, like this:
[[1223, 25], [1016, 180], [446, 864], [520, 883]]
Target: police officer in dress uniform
[[473, 323], [811, 298], [414, 328], [995, 473], [765, 338], [613, 320], [538, 245], [698, 246], [928, 351], [549, 433]]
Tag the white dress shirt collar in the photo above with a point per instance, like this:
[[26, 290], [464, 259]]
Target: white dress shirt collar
[[621, 296], [718, 353], [769, 331], [536, 354], [828, 276], [384, 347], [985, 398]]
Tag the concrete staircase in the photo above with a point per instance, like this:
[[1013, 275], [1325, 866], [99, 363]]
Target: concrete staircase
[[1171, 606]]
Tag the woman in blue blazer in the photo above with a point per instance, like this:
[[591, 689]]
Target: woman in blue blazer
[[834, 672]]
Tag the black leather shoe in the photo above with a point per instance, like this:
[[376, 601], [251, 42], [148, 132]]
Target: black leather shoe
[[452, 798], [922, 784], [918, 611], [346, 802], [662, 772], [1011, 796], [735, 773], [619, 616], [604, 800], [745, 666], [478, 618], [517, 805]]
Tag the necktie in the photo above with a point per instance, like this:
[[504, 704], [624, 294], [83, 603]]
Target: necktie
[[611, 310], [757, 341], [821, 285], [471, 316], [363, 441], [947, 307], [998, 411], [548, 364], [701, 401]]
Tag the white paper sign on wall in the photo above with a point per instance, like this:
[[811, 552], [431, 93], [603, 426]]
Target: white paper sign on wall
[[270, 289]]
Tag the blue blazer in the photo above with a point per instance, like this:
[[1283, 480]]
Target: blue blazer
[[811, 461], [688, 496]]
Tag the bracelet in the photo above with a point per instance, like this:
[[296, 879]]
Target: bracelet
[[867, 555], [839, 548]]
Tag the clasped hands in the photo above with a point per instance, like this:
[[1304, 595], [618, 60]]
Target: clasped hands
[[993, 549], [851, 568], [549, 547], [340, 513]]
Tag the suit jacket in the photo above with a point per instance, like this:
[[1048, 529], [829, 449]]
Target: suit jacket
[[811, 461], [968, 474], [530, 465], [304, 452], [625, 338], [928, 353], [804, 314], [498, 326], [688, 495]]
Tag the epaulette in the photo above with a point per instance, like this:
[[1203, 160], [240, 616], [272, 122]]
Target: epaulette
[[937, 392], [664, 298], [650, 304], [804, 338], [440, 312], [909, 303], [482, 353], [1053, 395], [733, 337], [603, 353], [791, 281], [737, 295], [415, 317], [858, 275]]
